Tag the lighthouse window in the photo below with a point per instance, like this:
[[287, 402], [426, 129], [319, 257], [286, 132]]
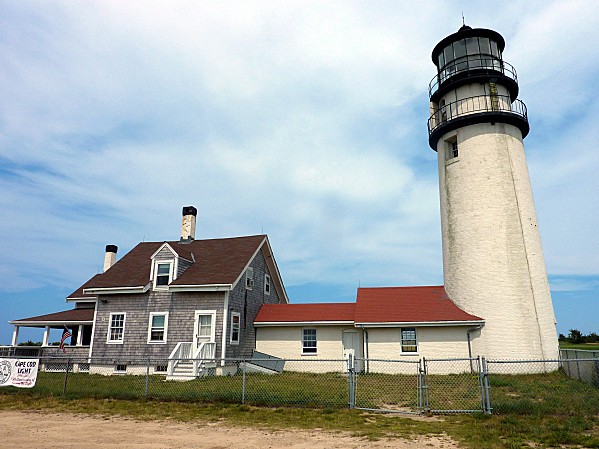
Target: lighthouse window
[[472, 45], [494, 49], [451, 149], [448, 52], [459, 49], [484, 45]]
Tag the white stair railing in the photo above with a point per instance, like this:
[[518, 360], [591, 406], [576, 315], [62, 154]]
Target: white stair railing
[[181, 351], [205, 353]]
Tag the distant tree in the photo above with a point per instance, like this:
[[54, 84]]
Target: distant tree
[[562, 337], [576, 336], [30, 343], [592, 338]]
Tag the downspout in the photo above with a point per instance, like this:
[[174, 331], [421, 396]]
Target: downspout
[[469, 344], [223, 351], [365, 332], [94, 324]]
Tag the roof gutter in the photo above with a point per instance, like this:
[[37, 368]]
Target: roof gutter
[[200, 288], [47, 323], [116, 290], [302, 323], [420, 323]]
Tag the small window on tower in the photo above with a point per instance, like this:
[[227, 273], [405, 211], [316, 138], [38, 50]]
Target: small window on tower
[[451, 149]]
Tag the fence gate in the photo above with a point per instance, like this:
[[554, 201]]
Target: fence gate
[[385, 385], [457, 385]]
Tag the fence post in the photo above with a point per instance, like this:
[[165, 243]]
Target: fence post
[[424, 401], [352, 386], [481, 382], [66, 376], [243, 381], [487, 394], [147, 379]]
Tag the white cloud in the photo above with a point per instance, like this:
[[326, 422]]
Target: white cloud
[[295, 118]]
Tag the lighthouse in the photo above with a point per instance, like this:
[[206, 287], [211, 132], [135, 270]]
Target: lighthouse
[[493, 261]]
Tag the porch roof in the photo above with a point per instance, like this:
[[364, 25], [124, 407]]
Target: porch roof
[[75, 316]]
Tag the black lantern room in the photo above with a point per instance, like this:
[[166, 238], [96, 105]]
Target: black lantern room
[[466, 57]]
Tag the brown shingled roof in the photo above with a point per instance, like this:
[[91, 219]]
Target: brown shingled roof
[[75, 315], [217, 261]]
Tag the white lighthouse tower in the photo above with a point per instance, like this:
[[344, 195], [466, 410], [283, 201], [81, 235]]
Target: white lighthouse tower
[[492, 256]]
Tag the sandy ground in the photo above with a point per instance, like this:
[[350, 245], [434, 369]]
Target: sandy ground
[[43, 430]]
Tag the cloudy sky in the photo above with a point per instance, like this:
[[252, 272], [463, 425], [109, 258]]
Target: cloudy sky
[[303, 120]]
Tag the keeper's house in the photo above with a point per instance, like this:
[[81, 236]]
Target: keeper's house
[[171, 300]]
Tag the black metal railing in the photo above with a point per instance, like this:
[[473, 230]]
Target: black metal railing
[[471, 63], [473, 105]]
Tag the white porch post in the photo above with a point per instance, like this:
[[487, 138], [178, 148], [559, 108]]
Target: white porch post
[[15, 335], [80, 335], [46, 336]]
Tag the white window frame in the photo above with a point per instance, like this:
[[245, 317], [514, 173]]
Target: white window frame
[[307, 350], [197, 313], [152, 315], [415, 340], [267, 285], [238, 316], [171, 264], [249, 278], [109, 340]]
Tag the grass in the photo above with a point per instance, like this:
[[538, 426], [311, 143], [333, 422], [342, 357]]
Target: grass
[[539, 410], [585, 346]]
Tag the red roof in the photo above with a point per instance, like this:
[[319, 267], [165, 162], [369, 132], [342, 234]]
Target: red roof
[[217, 261], [282, 313], [407, 305], [374, 305]]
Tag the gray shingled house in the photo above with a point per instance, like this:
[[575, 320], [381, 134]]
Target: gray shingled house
[[171, 300]]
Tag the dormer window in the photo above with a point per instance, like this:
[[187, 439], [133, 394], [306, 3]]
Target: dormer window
[[163, 274]]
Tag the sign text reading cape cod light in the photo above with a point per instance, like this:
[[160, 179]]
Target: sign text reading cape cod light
[[20, 373]]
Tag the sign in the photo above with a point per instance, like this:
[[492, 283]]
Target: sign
[[20, 373]]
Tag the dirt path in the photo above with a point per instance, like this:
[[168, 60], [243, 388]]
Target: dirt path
[[61, 431]]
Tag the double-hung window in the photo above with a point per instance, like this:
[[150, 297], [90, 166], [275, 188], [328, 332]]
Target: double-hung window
[[162, 274], [235, 328], [116, 328], [157, 327], [266, 284], [408, 340], [309, 341]]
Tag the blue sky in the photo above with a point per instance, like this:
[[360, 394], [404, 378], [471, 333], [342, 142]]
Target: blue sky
[[303, 120]]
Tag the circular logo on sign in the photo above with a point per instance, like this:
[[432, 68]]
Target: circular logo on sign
[[5, 369]]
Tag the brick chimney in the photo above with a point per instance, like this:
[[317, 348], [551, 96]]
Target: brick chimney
[[110, 256], [188, 226]]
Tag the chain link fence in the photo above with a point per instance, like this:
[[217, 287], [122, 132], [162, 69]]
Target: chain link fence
[[541, 387], [425, 386], [581, 364]]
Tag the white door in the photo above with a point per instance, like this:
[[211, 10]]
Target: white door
[[351, 346], [204, 328]]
